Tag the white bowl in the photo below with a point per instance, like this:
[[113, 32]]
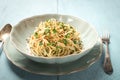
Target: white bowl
[[25, 28]]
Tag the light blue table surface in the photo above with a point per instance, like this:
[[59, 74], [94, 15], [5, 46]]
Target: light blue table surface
[[103, 14]]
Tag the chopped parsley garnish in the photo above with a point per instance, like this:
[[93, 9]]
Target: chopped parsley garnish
[[54, 30], [65, 41], [61, 24], [51, 44], [47, 31], [40, 43], [75, 41], [48, 20], [58, 47], [71, 27], [36, 35], [48, 44], [67, 35]]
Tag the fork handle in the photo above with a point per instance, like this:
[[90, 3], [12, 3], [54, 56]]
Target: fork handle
[[107, 62], [107, 53]]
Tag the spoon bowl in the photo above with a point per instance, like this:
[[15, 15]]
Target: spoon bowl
[[4, 34]]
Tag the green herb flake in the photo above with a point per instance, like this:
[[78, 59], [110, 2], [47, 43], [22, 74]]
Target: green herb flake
[[47, 20], [65, 41], [51, 44], [71, 27], [61, 24], [75, 41], [58, 47], [54, 30], [36, 35], [67, 35], [47, 31], [40, 43], [48, 44]]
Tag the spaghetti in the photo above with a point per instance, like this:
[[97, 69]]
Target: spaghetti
[[53, 38]]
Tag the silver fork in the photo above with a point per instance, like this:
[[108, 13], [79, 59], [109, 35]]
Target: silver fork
[[107, 62]]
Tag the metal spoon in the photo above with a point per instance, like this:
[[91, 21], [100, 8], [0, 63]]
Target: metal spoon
[[4, 33]]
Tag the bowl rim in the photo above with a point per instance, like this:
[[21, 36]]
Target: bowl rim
[[59, 57]]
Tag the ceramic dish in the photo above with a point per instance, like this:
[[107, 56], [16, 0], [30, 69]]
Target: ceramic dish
[[25, 28], [52, 69]]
